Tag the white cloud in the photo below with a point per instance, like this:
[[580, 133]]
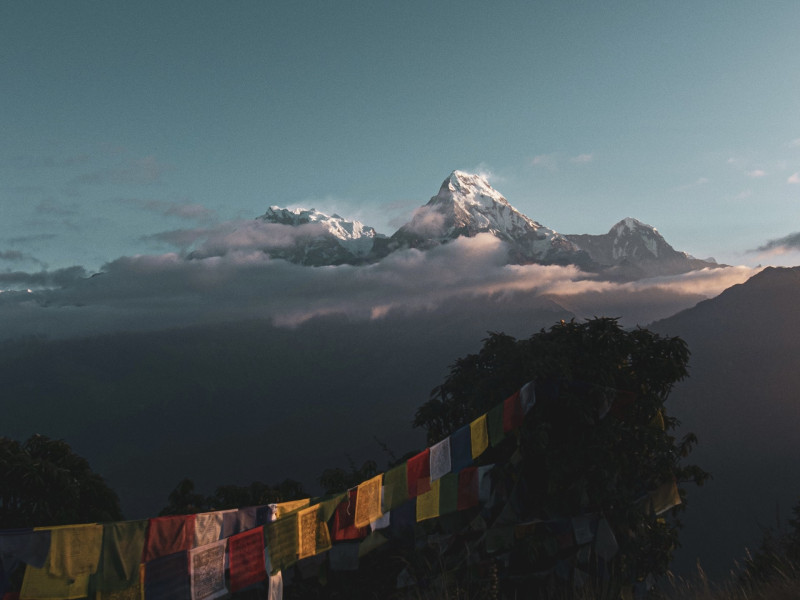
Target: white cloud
[[582, 158], [547, 161], [794, 178], [795, 143], [756, 173]]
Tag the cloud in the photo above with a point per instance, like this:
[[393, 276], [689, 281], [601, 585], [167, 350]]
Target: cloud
[[779, 246], [143, 171], [228, 278], [794, 178], [582, 158], [546, 161], [756, 173], [230, 237], [427, 222], [795, 143], [187, 211]]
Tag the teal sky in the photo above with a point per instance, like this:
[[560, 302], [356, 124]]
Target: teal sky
[[121, 120]]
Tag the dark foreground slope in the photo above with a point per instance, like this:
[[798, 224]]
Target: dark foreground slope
[[743, 402]]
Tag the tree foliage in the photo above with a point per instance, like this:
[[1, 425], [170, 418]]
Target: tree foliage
[[43, 482], [598, 439], [184, 500]]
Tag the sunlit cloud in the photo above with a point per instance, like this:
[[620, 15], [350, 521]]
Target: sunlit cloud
[[794, 178]]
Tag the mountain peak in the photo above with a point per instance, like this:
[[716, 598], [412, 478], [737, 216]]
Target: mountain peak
[[468, 189]]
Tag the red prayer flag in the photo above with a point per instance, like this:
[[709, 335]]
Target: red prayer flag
[[418, 471], [467, 488], [167, 535], [512, 412], [246, 558], [344, 520]]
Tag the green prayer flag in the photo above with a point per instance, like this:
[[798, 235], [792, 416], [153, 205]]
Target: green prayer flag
[[121, 555], [494, 423], [282, 542], [395, 487], [448, 494]]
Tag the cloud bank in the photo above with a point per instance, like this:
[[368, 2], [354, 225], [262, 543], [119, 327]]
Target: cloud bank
[[221, 274]]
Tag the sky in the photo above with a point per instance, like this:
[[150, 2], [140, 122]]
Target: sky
[[126, 124]]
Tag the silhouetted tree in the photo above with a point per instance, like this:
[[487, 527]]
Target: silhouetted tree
[[43, 482]]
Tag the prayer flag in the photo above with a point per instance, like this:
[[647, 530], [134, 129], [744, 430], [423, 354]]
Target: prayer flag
[[448, 494], [512, 412], [312, 532], [344, 527], [395, 482], [371, 542], [284, 508], [121, 556], [167, 577], [461, 448], [344, 557], [167, 535], [428, 503], [208, 527], [527, 397], [582, 528], [282, 542], [468, 488], [479, 436], [40, 584], [246, 558], [207, 571], [25, 545], [485, 483], [665, 497], [440, 459], [368, 501], [75, 550], [419, 473], [494, 424]]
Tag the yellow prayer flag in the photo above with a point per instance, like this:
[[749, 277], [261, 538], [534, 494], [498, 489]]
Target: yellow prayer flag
[[368, 501], [284, 508], [38, 584], [307, 520], [479, 435], [74, 549], [135, 592], [665, 497], [428, 503]]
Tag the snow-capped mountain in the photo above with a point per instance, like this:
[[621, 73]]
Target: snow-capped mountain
[[632, 250], [323, 239], [467, 205]]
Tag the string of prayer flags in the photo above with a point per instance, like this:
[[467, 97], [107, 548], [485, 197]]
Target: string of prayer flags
[[368, 501], [167, 577], [246, 558], [395, 484], [419, 473], [344, 520], [448, 494], [167, 535], [207, 571], [512, 412], [468, 488], [313, 534], [461, 448], [479, 436], [123, 543], [494, 424], [440, 459], [428, 503], [282, 542]]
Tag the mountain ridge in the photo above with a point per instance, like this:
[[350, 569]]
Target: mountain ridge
[[467, 205]]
